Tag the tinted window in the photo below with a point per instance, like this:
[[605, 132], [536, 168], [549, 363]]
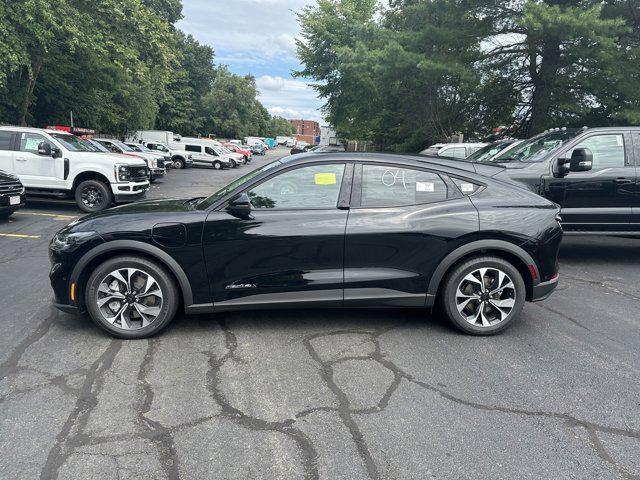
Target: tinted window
[[316, 186], [607, 150], [29, 142], [391, 186], [457, 152], [193, 148], [5, 140]]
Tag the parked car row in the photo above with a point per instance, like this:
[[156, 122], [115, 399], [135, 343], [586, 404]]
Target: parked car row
[[592, 173], [99, 171]]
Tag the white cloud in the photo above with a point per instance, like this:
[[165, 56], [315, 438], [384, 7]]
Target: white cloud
[[289, 98]]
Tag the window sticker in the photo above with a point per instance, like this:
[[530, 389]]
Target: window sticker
[[425, 187], [619, 140], [32, 143], [325, 178], [467, 187]]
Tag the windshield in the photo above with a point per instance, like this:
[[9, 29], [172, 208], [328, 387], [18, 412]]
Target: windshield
[[72, 143], [487, 153], [123, 147], [537, 148], [207, 202]]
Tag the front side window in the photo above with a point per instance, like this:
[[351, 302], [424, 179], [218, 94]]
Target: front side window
[[29, 142], [312, 187], [607, 150], [385, 186], [71, 142]]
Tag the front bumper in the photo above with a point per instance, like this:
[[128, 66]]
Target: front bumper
[[5, 204], [129, 192], [157, 173], [544, 289]]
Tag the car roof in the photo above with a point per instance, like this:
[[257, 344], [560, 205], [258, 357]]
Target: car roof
[[444, 165]]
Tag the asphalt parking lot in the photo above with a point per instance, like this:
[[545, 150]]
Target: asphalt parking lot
[[345, 394]]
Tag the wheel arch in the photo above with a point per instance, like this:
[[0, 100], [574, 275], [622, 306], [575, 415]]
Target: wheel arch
[[514, 254], [103, 252], [90, 175]]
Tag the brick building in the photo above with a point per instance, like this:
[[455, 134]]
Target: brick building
[[306, 130]]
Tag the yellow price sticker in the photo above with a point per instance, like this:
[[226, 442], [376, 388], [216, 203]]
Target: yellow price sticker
[[326, 179]]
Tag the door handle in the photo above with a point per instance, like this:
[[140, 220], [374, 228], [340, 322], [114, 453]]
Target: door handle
[[622, 180], [21, 159]]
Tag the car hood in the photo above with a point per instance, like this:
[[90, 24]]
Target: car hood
[[136, 217], [8, 177], [114, 157]]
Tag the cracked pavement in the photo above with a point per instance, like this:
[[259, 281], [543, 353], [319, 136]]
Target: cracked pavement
[[330, 394]]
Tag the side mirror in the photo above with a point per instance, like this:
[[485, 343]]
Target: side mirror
[[44, 149], [581, 160], [240, 205]]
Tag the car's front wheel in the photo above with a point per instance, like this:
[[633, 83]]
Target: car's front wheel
[[131, 297], [483, 295], [217, 165], [93, 196], [178, 163]]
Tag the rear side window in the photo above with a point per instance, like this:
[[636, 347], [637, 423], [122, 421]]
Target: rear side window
[[384, 186], [607, 150], [456, 152], [193, 148], [5, 140]]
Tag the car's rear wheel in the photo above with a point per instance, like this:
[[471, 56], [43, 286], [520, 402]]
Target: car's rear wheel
[[93, 196], [483, 295], [131, 297]]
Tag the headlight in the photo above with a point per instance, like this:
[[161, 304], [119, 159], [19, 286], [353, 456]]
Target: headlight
[[153, 163], [190, 157], [66, 241], [123, 173]]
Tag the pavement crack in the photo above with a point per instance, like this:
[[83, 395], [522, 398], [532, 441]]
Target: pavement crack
[[160, 435], [344, 408], [10, 365], [305, 446], [71, 434]]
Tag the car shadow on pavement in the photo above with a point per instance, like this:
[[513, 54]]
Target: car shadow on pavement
[[600, 249]]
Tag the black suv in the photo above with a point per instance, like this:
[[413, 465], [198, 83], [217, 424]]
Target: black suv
[[12, 195], [331, 230], [592, 173]]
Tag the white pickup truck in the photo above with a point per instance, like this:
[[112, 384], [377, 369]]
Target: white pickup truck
[[58, 164]]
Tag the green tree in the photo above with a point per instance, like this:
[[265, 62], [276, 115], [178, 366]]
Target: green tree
[[558, 56]]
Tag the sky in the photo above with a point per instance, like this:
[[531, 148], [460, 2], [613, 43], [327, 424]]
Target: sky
[[257, 37]]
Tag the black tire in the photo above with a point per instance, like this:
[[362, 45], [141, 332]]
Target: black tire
[[217, 165], [455, 278], [233, 163], [164, 280], [178, 163], [93, 196]]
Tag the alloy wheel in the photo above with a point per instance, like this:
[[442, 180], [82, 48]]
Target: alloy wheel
[[92, 197], [129, 298], [485, 297]]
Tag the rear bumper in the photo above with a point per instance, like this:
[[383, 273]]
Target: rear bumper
[[544, 289]]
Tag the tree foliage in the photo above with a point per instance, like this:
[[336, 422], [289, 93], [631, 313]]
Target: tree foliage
[[119, 65], [416, 71]]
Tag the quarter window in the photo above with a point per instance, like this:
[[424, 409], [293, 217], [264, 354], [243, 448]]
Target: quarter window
[[384, 186], [607, 150], [312, 187], [29, 142]]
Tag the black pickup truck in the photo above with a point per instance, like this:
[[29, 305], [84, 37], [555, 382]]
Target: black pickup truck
[[592, 173]]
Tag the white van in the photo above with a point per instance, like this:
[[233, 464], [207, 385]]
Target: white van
[[452, 150], [202, 154], [56, 163]]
